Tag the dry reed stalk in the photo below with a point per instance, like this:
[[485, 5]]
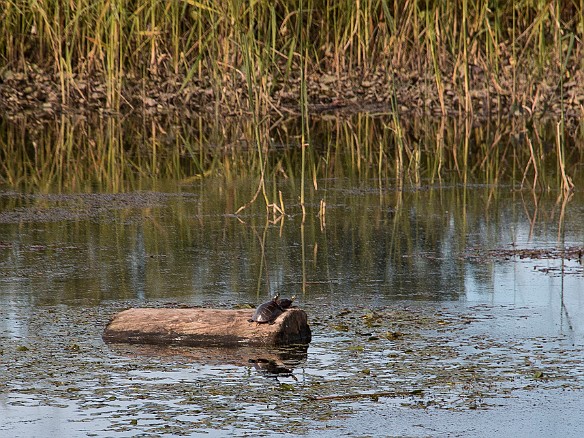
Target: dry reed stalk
[[567, 184], [322, 214], [530, 162], [563, 200]]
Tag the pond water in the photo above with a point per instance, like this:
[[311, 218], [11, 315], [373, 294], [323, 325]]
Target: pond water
[[437, 307]]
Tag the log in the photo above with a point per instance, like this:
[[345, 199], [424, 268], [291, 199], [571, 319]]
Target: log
[[205, 327]]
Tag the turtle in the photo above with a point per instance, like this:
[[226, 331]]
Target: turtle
[[268, 311], [285, 303]]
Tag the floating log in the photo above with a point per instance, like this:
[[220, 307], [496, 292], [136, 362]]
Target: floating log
[[206, 327]]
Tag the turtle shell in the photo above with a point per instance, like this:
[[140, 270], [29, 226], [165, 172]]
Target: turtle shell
[[267, 311]]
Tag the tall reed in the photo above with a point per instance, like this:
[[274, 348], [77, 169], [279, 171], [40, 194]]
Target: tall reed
[[123, 40]]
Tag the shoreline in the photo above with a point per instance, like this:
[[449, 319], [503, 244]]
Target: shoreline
[[39, 93]]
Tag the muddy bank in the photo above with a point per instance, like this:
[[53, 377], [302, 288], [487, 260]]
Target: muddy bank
[[37, 208], [562, 260], [39, 92]]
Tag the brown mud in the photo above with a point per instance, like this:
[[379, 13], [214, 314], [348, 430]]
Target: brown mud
[[571, 258], [37, 91], [53, 207]]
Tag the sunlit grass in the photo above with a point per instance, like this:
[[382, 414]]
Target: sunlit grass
[[266, 43]]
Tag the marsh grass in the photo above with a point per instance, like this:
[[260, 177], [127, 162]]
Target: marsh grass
[[267, 43]]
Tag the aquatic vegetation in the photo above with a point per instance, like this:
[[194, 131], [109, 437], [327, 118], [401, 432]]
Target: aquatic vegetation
[[128, 388]]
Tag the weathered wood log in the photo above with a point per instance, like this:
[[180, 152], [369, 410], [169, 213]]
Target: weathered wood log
[[205, 327]]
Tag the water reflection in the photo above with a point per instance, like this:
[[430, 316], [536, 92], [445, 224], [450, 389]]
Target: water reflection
[[111, 154], [268, 361], [183, 245]]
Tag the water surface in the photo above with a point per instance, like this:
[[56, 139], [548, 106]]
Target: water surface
[[430, 302]]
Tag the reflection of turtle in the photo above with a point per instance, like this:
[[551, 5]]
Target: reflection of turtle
[[268, 311], [284, 303], [271, 368]]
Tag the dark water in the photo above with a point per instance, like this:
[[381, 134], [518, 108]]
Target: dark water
[[417, 294]]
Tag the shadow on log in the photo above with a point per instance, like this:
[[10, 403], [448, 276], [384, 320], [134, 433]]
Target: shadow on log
[[206, 327]]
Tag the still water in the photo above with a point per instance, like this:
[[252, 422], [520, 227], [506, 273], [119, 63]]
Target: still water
[[436, 307]]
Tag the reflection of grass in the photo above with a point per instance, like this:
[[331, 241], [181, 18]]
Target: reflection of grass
[[179, 243], [116, 155]]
